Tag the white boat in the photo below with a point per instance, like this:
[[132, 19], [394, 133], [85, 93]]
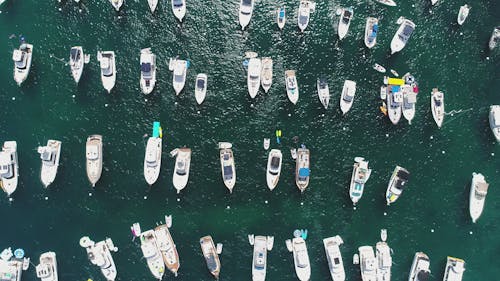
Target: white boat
[[478, 192], [323, 91], [245, 14], [394, 72], [334, 257], [397, 184], [148, 71], [179, 9], [22, 62], [367, 263], [2, 1], [384, 261], [47, 269], [77, 60], [261, 244], [11, 267], [302, 168], [420, 268], [402, 35], [211, 255], [300, 258], [227, 165], [108, 69], [50, 155], [152, 5], [266, 75], [200, 88], [93, 155], [394, 104], [409, 101], [267, 143], [292, 88], [360, 175], [117, 4], [293, 153], [344, 22], [371, 31], [152, 160], [152, 254], [379, 68], [99, 254], [281, 17], [390, 3], [167, 246], [179, 77], [273, 172], [495, 38], [253, 76], [9, 167], [495, 121], [347, 97], [437, 106], [181, 170], [433, 2], [305, 10], [454, 269], [463, 13]]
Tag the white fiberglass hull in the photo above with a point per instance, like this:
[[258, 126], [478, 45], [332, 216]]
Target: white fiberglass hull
[[394, 110], [148, 80], [229, 175], [259, 253], [343, 27], [245, 13], [181, 170], [476, 204], [494, 119], [370, 42], [9, 185], [94, 158], [200, 92], [463, 13], [400, 39], [21, 74], [180, 11], [117, 4], [152, 5], [301, 259], [77, 65], [153, 151], [273, 173], [108, 79], [266, 74], [152, 254], [349, 90], [323, 94], [292, 88], [334, 257], [49, 172], [437, 109], [253, 76]]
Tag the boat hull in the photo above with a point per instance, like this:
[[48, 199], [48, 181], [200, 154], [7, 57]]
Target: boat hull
[[94, 158], [167, 248], [210, 254], [20, 75], [273, 176], [200, 93], [370, 21], [437, 110], [494, 115], [476, 205], [182, 168], [9, 151], [49, 172], [152, 168], [77, 65]]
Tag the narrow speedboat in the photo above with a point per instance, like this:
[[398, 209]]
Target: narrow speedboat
[[77, 61], [200, 88], [47, 269], [300, 258], [334, 257], [152, 158], [166, 245], [246, 9], [384, 260], [274, 161], [181, 170], [463, 13], [292, 88], [394, 104], [152, 253], [148, 71], [305, 10], [93, 155], [266, 75], [179, 9], [367, 263], [179, 68], [495, 121], [211, 255], [22, 62], [108, 69], [371, 31], [323, 91], [227, 165], [409, 101], [117, 4], [281, 17], [390, 3], [495, 38], [347, 97], [302, 170], [397, 184], [437, 106], [253, 76], [9, 167], [261, 244], [344, 22], [99, 254], [478, 192], [379, 68], [50, 155], [402, 35], [360, 175], [420, 268], [152, 5], [454, 269]]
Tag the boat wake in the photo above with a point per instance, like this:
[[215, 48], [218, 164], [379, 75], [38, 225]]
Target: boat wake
[[455, 112]]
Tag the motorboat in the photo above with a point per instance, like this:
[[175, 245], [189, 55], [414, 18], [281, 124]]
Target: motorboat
[[379, 68], [371, 31], [397, 184], [108, 69], [2, 1], [273, 172], [93, 155], [360, 175], [437, 106], [99, 254], [179, 9], [495, 121], [420, 270], [167, 246], [409, 101], [77, 60], [261, 244], [50, 155], [293, 153], [347, 98], [305, 10], [181, 170], [478, 192], [253, 76], [367, 263], [390, 3], [179, 67], [9, 167], [200, 88], [152, 254], [394, 72], [495, 38], [394, 103], [302, 168], [454, 269], [227, 165], [463, 13], [267, 143], [434, 2], [47, 269], [300, 258], [402, 35], [266, 75], [281, 17], [12, 265], [152, 158], [334, 257], [22, 62], [292, 88], [148, 71], [117, 4], [384, 260], [344, 22], [323, 91], [211, 255], [152, 5], [246, 9]]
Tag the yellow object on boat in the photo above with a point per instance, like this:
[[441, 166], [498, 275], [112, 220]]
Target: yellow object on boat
[[395, 81], [383, 109], [161, 132]]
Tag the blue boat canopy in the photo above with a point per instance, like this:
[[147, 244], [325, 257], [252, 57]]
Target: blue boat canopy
[[304, 172], [156, 129]]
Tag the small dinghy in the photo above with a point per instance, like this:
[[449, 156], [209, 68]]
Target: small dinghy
[[334, 257], [245, 14], [292, 88], [152, 5], [397, 183], [360, 175], [347, 97], [300, 257], [152, 158], [181, 170], [323, 91], [402, 35], [148, 71], [305, 10], [495, 121], [9, 168], [211, 255], [77, 61], [302, 168], [293, 153], [267, 143], [50, 155], [117, 4], [281, 17], [495, 38], [394, 73], [463, 13], [108, 69], [344, 22], [179, 9], [200, 88], [93, 150], [266, 75], [371, 31], [253, 75], [179, 67], [274, 161], [437, 106], [478, 192], [22, 62], [261, 244], [227, 165], [379, 68], [390, 3]]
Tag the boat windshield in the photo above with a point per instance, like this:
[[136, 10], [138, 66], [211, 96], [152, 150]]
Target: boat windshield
[[347, 17], [275, 165], [75, 54], [260, 261], [200, 84], [407, 31], [22, 62], [211, 262], [302, 259], [181, 168], [303, 19], [107, 66], [246, 2], [179, 78], [178, 3], [228, 172], [254, 77], [7, 171], [47, 156], [146, 69]]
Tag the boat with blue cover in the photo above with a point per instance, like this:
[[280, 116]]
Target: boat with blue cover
[[360, 175], [281, 17], [302, 170], [371, 31]]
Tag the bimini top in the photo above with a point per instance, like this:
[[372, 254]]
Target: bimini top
[[304, 172]]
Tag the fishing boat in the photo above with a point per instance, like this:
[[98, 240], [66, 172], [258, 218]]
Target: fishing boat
[[253, 76], [152, 158], [347, 97], [323, 91], [117, 4], [22, 62], [409, 101], [334, 257], [211, 255], [360, 175], [200, 88], [93, 154], [384, 259], [12, 265], [152, 253], [166, 245], [266, 74], [179, 67], [47, 269], [437, 106], [179, 9], [367, 263], [261, 244], [281, 17], [454, 269], [495, 38], [273, 172], [292, 88], [245, 14], [108, 69], [390, 3], [397, 184], [152, 5], [344, 22], [9, 167], [227, 165], [402, 35], [495, 121], [478, 192], [99, 254], [394, 103], [463, 13], [305, 10], [50, 155], [371, 31], [302, 170], [77, 60], [420, 268], [379, 68], [300, 257], [148, 71], [181, 170]]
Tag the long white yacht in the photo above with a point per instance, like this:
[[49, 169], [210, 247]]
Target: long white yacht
[[402, 35], [253, 76], [420, 268], [302, 168], [495, 38], [245, 14], [344, 22], [437, 106], [167, 246], [152, 254], [50, 155], [152, 5], [273, 172], [347, 97], [47, 269], [360, 175], [148, 71], [211, 255], [200, 90], [179, 67], [261, 244], [93, 152], [266, 76], [117, 4], [463, 13], [108, 69], [409, 101], [292, 88], [371, 31], [367, 263], [323, 91], [181, 170], [9, 167], [384, 259], [300, 257], [334, 257], [495, 121], [179, 9], [478, 192], [305, 10], [454, 269], [397, 184], [22, 62], [228, 168], [394, 105], [99, 254], [152, 158], [77, 61]]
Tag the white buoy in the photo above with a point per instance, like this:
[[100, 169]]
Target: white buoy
[[265, 201], [432, 230], [228, 207], [178, 199], [431, 137], [323, 115], [198, 112], [73, 96], [461, 33], [386, 135], [354, 207], [146, 100], [443, 152], [289, 114], [251, 105], [175, 103], [470, 232], [145, 197], [46, 198], [11, 199], [413, 5], [301, 203], [60, 9], [492, 154], [90, 193], [105, 105], [364, 56], [385, 213], [13, 98], [487, 58]]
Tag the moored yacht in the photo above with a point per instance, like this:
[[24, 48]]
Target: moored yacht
[[152, 158], [179, 9], [384, 260], [47, 269], [245, 14], [273, 168], [300, 258], [409, 101], [347, 97], [495, 121], [334, 257], [261, 244], [478, 192], [152, 254], [9, 167], [437, 106], [181, 170], [211, 255], [99, 254], [50, 155], [253, 76], [166, 245], [371, 31], [93, 152], [420, 270], [367, 263], [402, 35], [292, 88], [228, 168], [148, 71], [495, 38], [117, 4], [360, 175], [179, 67], [463, 13], [22, 62], [344, 22], [397, 184], [454, 269], [394, 103], [266, 75], [200, 90], [108, 69], [77, 60], [302, 170], [323, 91], [305, 10]]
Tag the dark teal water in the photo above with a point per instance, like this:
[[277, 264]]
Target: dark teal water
[[439, 54]]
